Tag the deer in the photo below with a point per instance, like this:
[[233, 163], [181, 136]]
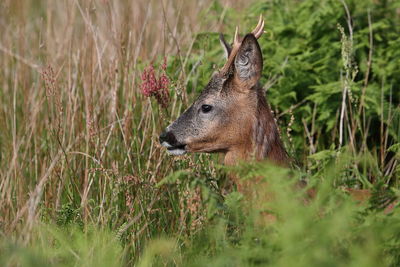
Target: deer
[[232, 115]]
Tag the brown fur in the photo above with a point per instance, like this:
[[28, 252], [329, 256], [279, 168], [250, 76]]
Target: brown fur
[[261, 140]]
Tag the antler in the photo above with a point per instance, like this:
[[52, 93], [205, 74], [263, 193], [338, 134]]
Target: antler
[[259, 29], [257, 32]]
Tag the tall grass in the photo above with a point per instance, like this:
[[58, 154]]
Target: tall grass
[[83, 180], [79, 141]]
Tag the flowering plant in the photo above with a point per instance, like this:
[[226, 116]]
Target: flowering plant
[[156, 85]]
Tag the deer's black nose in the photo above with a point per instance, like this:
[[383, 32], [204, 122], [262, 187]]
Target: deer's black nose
[[168, 137]]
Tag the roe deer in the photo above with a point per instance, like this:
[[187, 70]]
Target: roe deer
[[232, 115]]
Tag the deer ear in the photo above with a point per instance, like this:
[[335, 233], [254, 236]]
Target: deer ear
[[248, 61], [225, 45]]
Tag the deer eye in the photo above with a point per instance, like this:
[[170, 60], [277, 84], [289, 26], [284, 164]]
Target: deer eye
[[206, 108]]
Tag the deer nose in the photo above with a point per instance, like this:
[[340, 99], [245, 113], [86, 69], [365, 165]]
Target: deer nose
[[168, 137]]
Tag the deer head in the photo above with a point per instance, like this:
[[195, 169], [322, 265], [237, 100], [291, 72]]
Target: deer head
[[231, 114]]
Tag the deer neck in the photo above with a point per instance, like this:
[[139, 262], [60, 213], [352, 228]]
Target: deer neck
[[264, 141]]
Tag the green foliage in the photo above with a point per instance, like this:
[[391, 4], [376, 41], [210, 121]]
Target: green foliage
[[332, 230], [63, 246]]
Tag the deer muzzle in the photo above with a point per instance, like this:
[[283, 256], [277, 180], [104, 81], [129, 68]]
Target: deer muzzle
[[168, 140]]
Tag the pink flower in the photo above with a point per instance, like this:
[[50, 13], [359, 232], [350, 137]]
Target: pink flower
[[156, 85]]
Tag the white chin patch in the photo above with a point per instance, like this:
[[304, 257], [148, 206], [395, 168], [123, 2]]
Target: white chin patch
[[176, 152], [165, 144]]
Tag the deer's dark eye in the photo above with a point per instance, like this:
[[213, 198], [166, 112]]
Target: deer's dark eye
[[206, 108]]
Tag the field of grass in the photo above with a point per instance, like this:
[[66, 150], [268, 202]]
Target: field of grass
[[84, 181]]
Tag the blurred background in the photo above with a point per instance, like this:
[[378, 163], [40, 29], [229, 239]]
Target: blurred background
[[83, 180]]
